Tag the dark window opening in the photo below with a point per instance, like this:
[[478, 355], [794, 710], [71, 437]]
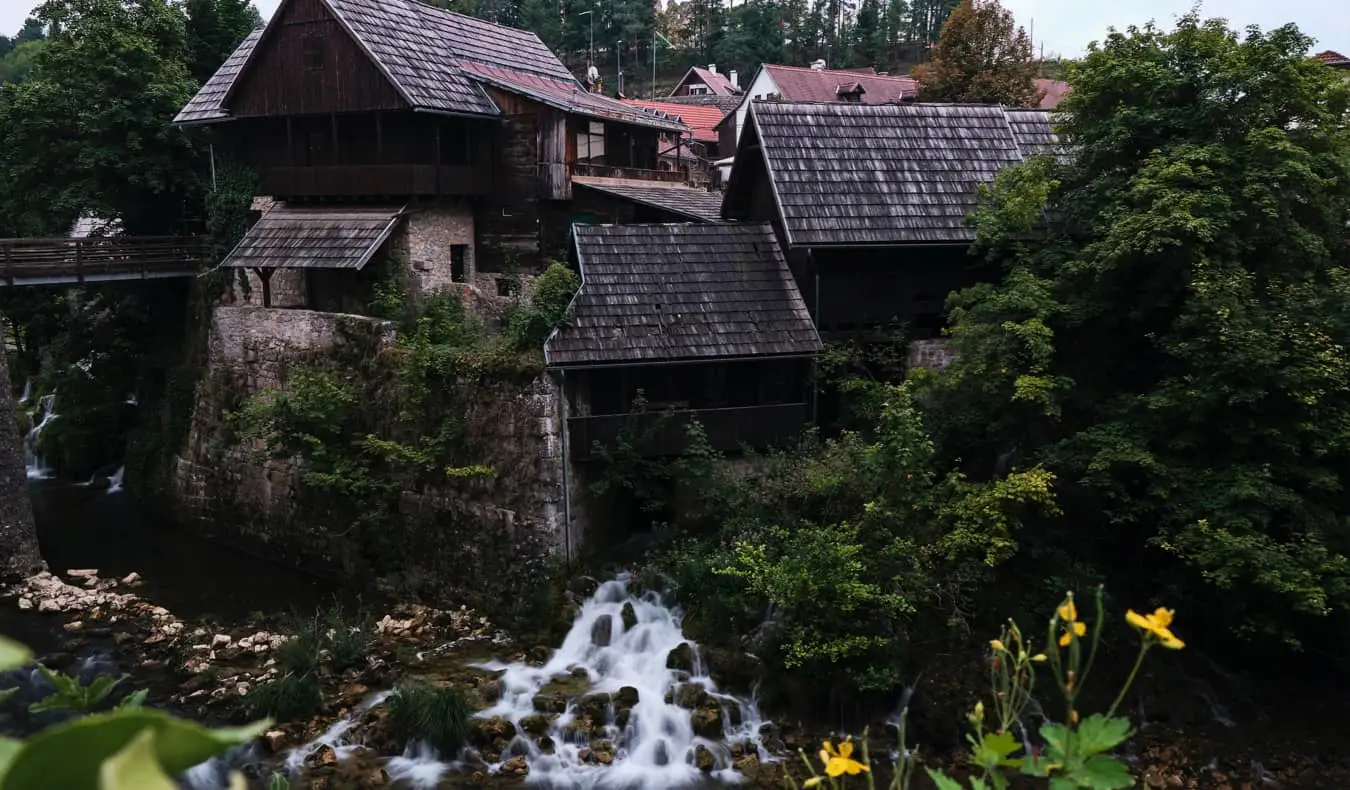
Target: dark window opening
[[458, 269], [312, 52], [455, 140], [508, 286]]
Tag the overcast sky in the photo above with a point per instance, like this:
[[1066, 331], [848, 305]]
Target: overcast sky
[[1066, 26]]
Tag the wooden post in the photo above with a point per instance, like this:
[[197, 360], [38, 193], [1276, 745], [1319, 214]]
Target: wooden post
[[79, 265], [265, 275]]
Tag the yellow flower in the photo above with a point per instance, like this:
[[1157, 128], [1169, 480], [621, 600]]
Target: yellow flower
[[996, 644], [839, 762], [1039, 657], [1156, 625], [1072, 627]]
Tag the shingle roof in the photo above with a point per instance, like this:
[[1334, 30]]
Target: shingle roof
[[1334, 59], [806, 84], [207, 104], [701, 120], [439, 60], [655, 293], [718, 83], [1052, 92], [314, 237], [1033, 132], [696, 204], [884, 174], [724, 103]]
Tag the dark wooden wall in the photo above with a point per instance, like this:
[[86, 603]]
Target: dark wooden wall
[[508, 229], [308, 64], [863, 288]]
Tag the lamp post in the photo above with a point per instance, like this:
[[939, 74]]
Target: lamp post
[[618, 66]]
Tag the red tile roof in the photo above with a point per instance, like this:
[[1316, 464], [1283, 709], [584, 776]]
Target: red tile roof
[[717, 83], [1052, 92], [805, 84], [1333, 58], [701, 120]]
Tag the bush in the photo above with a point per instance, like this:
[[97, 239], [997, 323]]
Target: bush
[[553, 290], [438, 715], [347, 636], [290, 697]]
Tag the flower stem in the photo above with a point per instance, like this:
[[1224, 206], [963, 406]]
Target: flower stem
[[1129, 681]]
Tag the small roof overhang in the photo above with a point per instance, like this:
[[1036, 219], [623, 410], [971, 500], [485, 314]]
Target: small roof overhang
[[685, 201], [315, 237]]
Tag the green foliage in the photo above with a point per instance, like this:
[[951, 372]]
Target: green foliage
[[72, 695], [1172, 343], [214, 29], [982, 57], [290, 697], [129, 748], [549, 300], [438, 715], [860, 546]]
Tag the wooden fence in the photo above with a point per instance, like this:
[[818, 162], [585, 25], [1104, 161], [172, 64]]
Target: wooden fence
[[99, 259]]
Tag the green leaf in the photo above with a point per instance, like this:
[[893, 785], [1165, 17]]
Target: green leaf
[[13, 655], [133, 700], [135, 767], [6, 694], [1057, 738], [1101, 772], [1097, 734], [942, 781], [1060, 783], [8, 749], [994, 749], [69, 755]]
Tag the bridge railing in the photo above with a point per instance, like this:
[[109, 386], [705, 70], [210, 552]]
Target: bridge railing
[[99, 258]]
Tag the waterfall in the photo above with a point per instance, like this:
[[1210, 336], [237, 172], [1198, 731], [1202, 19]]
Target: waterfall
[[40, 417], [115, 480], [651, 710]]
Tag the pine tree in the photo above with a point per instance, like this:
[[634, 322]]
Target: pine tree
[[982, 57]]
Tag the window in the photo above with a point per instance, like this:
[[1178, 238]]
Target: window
[[508, 285], [698, 90], [312, 53], [459, 254]]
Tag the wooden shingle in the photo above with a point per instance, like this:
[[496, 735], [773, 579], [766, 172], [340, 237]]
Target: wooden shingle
[[859, 174], [208, 104], [662, 293], [315, 237], [692, 202]]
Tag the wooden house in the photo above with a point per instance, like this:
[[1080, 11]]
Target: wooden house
[[683, 321], [707, 82], [376, 125], [695, 150], [870, 202]]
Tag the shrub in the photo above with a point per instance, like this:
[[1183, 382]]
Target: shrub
[[552, 294], [347, 636], [287, 698], [438, 715]]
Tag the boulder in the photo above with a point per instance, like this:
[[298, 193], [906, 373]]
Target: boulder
[[549, 702], [487, 731], [690, 695], [516, 766], [681, 658], [602, 631], [629, 616], [707, 720], [627, 697], [704, 759], [535, 724], [594, 706]]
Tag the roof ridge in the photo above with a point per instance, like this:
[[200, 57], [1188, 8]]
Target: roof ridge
[[874, 74]]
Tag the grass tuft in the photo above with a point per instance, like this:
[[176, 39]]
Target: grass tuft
[[438, 715]]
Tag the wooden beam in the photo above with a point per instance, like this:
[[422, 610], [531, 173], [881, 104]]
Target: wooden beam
[[265, 275]]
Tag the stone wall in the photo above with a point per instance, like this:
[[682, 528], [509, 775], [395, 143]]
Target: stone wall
[[457, 542], [429, 239], [931, 354]]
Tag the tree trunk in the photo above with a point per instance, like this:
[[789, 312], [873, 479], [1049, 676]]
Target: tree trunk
[[19, 553]]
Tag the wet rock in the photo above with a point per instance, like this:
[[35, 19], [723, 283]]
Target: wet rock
[[73, 626], [535, 724], [85, 573], [748, 767], [275, 741], [627, 697], [584, 586], [602, 632], [488, 731], [545, 744], [707, 720], [661, 753], [132, 579], [549, 702], [220, 640], [515, 766], [595, 706], [704, 759], [682, 657], [629, 616], [690, 695], [25, 603], [325, 756]]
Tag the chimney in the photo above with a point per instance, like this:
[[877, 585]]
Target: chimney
[[818, 65], [735, 79], [712, 67]]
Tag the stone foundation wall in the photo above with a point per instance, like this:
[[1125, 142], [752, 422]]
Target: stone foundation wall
[[429, 238], [453, 543], [932, 354]]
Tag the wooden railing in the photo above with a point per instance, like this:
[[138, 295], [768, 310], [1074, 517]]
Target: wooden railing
[[663, 433], [354, 180], [633, 173], [99, 259]]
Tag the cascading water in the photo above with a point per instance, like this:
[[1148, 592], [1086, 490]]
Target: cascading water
[[650, 714], [115, 480], [41, 418]]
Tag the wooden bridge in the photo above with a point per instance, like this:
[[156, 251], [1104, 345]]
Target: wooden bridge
[[95, 259]]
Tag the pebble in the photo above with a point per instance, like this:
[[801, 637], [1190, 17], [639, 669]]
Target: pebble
[[275, 740], [73, 626], [25, 603], [221, 640], [131, 579]]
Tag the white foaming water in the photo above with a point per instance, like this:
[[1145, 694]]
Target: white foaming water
[[42, 416], [420, 768], [655, 748], [115, 480], [335, 737]]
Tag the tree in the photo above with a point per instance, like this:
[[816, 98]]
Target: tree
[[214, 30], [1173, 343], [18, 535], [869, 34], [90, 130], [980, 58]]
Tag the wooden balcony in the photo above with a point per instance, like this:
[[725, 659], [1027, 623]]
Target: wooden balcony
[[663, 433], [634, 173], [61, 260], [373, 180]]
